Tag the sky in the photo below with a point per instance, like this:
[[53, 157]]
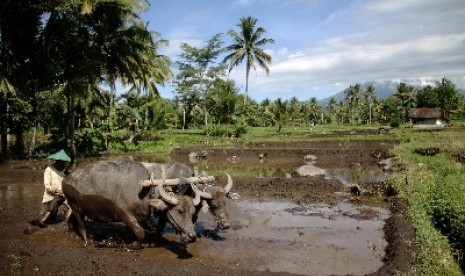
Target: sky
[[323, 46]]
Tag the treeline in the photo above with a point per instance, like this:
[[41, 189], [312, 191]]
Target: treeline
[[55, 57], [61, 63]]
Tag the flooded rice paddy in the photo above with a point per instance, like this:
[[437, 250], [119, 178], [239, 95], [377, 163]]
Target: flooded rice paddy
[[282, 223]]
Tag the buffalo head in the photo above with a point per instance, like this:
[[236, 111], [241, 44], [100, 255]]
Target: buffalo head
[[179, 211], [215, 198]]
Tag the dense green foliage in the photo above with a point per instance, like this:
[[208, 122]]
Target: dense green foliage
[[56, 55]]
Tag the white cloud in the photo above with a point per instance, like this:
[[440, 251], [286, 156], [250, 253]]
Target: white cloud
[[326, 66], [176, 36], [342, 43], [243, 2]]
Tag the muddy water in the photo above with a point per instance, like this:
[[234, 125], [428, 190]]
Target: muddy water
[[312, 239], [282, 236]]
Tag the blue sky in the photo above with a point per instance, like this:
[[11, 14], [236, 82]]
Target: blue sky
[[323, 46]]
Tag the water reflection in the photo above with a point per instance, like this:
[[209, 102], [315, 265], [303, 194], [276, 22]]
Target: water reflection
[[19, 200], [341, 239], [250, 167], [277, 168], [351, 177]]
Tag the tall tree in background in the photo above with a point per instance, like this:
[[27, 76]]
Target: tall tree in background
[[5, 90], [405, 94], [21, 67], [313, 110], [331, 108], [294, 109], [369, 96], [447, 95], [427, 97], [278, 110], [352, 96], [72, 47], [222, 101], [247, 45], [198, 69]]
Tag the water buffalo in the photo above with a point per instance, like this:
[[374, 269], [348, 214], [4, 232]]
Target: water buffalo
[[215, 197], [109, 192]]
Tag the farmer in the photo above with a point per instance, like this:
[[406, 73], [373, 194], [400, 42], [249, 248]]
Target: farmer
[[53, 194]]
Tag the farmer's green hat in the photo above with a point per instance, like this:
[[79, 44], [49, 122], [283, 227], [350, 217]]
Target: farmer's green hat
[[60, 156]]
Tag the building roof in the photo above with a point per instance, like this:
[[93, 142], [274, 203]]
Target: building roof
[[426, 113]]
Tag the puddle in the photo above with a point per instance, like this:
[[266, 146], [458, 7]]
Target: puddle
[[351, 177], [281, 236]]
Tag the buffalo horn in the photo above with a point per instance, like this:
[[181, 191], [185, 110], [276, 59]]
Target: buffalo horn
[[167, 197], [203, 194], [229, 185], [197, 195]]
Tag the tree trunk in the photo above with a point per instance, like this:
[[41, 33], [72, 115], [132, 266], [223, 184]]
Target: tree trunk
[[19, 142], [206, 115], [3, 127], [71, 140], [4, 138], [183, 119], [247, 71], [33, 139], [370, 113]]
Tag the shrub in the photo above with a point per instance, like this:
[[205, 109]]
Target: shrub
[[225, 130], [395, 123], [89, 142]]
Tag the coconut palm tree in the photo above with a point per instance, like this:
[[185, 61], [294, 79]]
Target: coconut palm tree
[[247, 45], [313, 109], [370, 96], [331, 108], [447, 95], [278, 112], [5, 89], [352, 96], [294, 111], [405, 94]]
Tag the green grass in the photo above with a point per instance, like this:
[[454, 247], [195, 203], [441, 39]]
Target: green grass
[[435, 189], [169, 139]]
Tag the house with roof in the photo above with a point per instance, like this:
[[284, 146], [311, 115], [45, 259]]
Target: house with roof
[[427, 117]]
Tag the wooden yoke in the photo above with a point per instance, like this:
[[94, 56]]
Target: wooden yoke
[[177, 181]]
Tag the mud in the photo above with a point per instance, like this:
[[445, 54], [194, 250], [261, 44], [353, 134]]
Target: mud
[[282, 224]]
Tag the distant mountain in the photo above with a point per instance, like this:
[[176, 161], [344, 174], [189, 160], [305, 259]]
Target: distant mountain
[[383, 89]]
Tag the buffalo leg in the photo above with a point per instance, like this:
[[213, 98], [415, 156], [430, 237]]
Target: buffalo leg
[[138, 231], [81, 225], [161, 225]]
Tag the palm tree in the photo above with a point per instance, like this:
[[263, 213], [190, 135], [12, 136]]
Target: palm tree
[[313, 109], [278, 112], [370, 97], [331, 108], [352, 96], [448, 96], [247, 45], [294, 111], [5, 89], [405, 94]]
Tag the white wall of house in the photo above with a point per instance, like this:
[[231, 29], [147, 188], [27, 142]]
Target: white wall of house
[[427, 123]]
